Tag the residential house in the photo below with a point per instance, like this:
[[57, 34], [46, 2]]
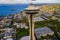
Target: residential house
[[53, 17], [1, 26], [18, 17], [7, 35], [58, 32], [23, 24], [23, 13], [58, 19], [1, 18], [16, 24], [57, 13]]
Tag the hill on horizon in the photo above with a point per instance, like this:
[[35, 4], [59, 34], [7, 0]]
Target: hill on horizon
[[50, 8]]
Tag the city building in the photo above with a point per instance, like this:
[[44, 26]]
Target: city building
[[23, 24], [43, 32], [38, 19]]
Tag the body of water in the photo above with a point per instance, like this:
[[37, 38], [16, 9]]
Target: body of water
[[6, 9]]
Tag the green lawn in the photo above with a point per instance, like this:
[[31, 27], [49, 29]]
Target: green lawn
[[22, 32]]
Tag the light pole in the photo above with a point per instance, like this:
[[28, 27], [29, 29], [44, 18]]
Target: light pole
[[31, 11]]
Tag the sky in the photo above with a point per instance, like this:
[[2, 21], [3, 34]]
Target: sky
[[28, 1]]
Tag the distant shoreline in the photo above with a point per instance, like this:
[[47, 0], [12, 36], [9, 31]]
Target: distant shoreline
[[5, 9]]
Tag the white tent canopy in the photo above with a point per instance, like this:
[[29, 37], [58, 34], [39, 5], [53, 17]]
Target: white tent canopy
[[9, 39], [25, 38]]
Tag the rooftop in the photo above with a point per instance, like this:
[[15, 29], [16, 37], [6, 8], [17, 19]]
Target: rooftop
[[42, 31]]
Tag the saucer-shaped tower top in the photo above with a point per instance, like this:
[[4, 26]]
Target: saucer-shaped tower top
[[32, 10]]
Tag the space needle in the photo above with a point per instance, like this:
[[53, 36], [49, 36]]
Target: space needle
[[31, 11]]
